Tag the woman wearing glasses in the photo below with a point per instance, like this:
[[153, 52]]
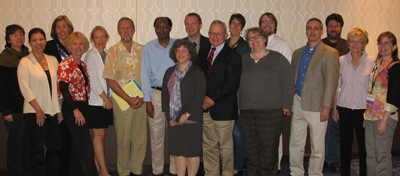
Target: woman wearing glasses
[[381, 117], [265, 95]]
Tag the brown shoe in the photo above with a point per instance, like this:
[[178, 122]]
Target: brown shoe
[[173, 174]]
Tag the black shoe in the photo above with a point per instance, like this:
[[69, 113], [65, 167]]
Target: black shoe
[[335, 167], [278, 172], [326, 165]]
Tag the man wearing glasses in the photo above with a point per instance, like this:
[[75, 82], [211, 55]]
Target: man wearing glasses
[[222, 67]]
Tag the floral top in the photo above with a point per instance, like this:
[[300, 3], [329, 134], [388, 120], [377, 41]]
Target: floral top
[[121, 66], [378, 85], [69, 72]]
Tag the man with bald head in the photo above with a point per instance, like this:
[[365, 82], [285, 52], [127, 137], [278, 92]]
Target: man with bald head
[[155, 61], [222, 67]]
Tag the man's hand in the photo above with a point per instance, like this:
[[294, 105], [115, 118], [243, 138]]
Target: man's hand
[[286, 112], [8, 118], [150, 109], [324, 114], [208, 102], [135, 102], [335, 115]]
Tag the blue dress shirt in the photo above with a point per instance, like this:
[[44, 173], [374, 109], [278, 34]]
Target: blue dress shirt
[[303, 66], [155, 61]]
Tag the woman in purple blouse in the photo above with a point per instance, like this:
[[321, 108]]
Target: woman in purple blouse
[[350, 102]]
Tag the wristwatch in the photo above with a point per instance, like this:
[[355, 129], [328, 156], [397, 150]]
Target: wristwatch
[[187, 114]]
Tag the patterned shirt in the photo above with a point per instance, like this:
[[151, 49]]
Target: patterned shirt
[[378, 87], [69, 72], [121, 66]]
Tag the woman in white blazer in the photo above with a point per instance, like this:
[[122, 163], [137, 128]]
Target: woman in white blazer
[[37, 78], [100, 105]]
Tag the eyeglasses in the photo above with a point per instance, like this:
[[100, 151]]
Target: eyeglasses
[[162, 26], [182, 51], [386, 43], [356, 42], [255, 37], [265, 22], [215, 33]]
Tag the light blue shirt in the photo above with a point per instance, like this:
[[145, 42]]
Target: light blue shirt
[[216, 52], [304, 61], [155, 61]]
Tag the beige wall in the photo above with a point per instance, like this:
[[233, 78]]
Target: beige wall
[[375, 16]]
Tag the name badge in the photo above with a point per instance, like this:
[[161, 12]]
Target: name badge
[[370, 98]]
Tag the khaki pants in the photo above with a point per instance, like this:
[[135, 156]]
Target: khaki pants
[[131, 129], [298, 133], [217, 146], [157, 135]]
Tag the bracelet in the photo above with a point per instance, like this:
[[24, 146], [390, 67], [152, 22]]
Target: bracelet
[[334, 109]]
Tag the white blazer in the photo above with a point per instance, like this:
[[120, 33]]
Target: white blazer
[[34, 84], [95, 69]]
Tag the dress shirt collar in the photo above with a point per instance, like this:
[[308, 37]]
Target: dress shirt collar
[[197, 41]]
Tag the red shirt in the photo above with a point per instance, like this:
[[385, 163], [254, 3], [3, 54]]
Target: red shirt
[[69, 72]]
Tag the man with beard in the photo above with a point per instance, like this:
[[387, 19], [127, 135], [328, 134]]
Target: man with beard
[[130, 125], [269, 24], [155, 61], [334, 24]]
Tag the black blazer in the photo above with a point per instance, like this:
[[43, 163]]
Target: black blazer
[[52, 49], [193, 91], [393, 93], [222, 82], [204, 42]]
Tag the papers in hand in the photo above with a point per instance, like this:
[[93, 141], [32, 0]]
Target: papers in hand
[[131, 88]]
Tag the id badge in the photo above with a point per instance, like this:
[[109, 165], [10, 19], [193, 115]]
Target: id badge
[[370, 99]]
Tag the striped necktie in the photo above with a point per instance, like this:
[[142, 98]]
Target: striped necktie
[[209, 60]]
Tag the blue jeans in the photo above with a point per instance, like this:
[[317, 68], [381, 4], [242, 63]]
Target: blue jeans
[[332, 141], [238, 143]]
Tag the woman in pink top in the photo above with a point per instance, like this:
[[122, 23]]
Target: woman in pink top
[[355, 68]]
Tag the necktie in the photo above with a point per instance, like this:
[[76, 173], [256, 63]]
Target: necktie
[[209, 60]]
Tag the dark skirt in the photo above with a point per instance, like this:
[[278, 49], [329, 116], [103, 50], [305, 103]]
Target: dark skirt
[[98, 117], [185, 140]]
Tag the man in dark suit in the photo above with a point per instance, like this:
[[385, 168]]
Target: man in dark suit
[[316, 68], [334, 23], [193, 25], [222, 67]]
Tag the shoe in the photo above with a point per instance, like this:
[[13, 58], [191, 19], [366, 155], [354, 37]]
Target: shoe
[[335, 167], [132, 174], [278, 172], [170, 174], [158, 174], [238, 173]]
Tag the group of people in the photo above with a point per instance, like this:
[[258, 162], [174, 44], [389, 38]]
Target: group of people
[[217, 97]]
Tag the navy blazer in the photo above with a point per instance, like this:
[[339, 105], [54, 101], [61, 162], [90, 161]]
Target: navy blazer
[[222, 82]]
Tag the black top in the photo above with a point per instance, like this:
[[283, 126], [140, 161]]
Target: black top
[[393, 93], [52, 49], [49, 80]]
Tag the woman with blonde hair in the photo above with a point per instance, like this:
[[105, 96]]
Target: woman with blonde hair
[[100, 105], [349, 105]]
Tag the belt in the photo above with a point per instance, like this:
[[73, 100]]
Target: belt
[[158, 88]]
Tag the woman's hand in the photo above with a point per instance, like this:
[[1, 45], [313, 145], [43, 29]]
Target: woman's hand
[[60, 117], [79, 120], [335, 115], [40, 116], [183, 119], [109, 104], [173, 123], [381, 127]]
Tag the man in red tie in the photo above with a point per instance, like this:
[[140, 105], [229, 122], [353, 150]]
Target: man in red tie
[[222, 67]]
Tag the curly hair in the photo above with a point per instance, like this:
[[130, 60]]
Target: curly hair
[[76, 35], [185, 43], [256, 29]]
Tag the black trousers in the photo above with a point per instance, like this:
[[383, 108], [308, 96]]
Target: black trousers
[[261, 130], [82, 154], [49, 135], [349, 119], [17, 146]]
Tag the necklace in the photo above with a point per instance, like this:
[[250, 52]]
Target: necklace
[[43, 63]]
